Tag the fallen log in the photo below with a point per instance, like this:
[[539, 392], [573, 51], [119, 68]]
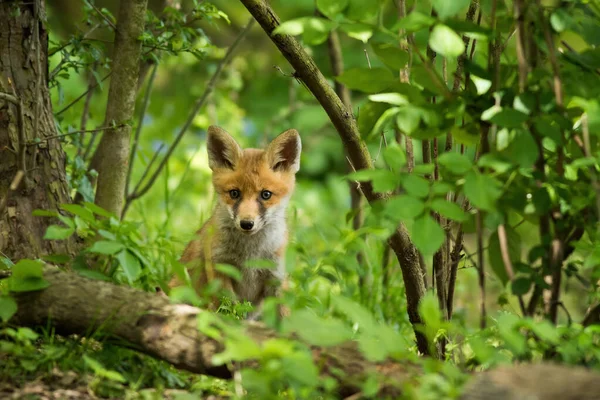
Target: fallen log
[[73, 304], [535, 382]]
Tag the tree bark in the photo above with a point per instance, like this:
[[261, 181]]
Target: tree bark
[[24, 75], [112, 155], [170, 331], [357, 151]]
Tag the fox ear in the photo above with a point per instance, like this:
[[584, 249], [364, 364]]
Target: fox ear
[[283, 153], [223, 150]]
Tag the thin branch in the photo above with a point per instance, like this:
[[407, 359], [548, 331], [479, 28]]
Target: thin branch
[[585, 127], [521, 56], [101, 14], [86, 110], [45, 139], [558, 90], [138, 131], [199, 103], [91, 87], [503, 240], [480, 269], [437, 80]]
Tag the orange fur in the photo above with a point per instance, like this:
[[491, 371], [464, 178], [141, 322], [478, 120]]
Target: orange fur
[[223, 239]]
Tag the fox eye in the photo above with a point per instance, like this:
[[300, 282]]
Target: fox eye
[[265, 195], [234, 194]]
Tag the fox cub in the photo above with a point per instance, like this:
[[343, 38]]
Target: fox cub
[[253, 189]]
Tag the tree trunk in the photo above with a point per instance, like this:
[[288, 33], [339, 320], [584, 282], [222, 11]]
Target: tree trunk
[[112, 155], [24, 75]]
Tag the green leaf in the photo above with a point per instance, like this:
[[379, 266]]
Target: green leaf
[[404, 207], [80, 211], [368, 80], [415, 185], [446, 9], [395, 99], [391, 55], [230, 271], [369, 115], [130, 264], [521, 286], [362, 32], [446, 42], [522, 150], [360, 10], [57, 232], [332, 8], [27, 269], [448, 210], [315, 30], [27, 284], [427, 234], [106, 247], [509, 118], [482, 190], [513, 241], [98, 210], [8, 308], [408, 119], [316, 330], [354, 311], [382, 180], [455, 162], [394, 156], [383, 121], [415, 21]]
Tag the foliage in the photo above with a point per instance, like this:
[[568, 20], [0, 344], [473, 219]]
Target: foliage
[[486, 148]]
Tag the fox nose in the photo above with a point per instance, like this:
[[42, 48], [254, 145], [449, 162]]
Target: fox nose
[[246, 224]]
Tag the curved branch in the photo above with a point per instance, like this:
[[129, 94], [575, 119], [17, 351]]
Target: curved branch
[[357, 151]]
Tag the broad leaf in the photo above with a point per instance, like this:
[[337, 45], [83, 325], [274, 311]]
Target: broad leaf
[[130, 264], [404, 207], [8, 307], [449, 8], [391, 55], [415, 185], [427, 234], [455, 162], [446, 42], [331, 8], [106, 247], [448, 209], [482, 190], [368, 80]]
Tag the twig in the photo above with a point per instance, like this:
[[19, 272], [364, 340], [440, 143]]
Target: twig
[[454, 260], [437, 80], [100, 13], [138, 130], [91, 87], [480, 270], [585, 128], [502, 239], [45, 139], [199, 103], [368, 59], [86, 110], [521, 56]]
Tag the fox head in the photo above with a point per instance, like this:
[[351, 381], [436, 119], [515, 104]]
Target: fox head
[[253, 185]]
